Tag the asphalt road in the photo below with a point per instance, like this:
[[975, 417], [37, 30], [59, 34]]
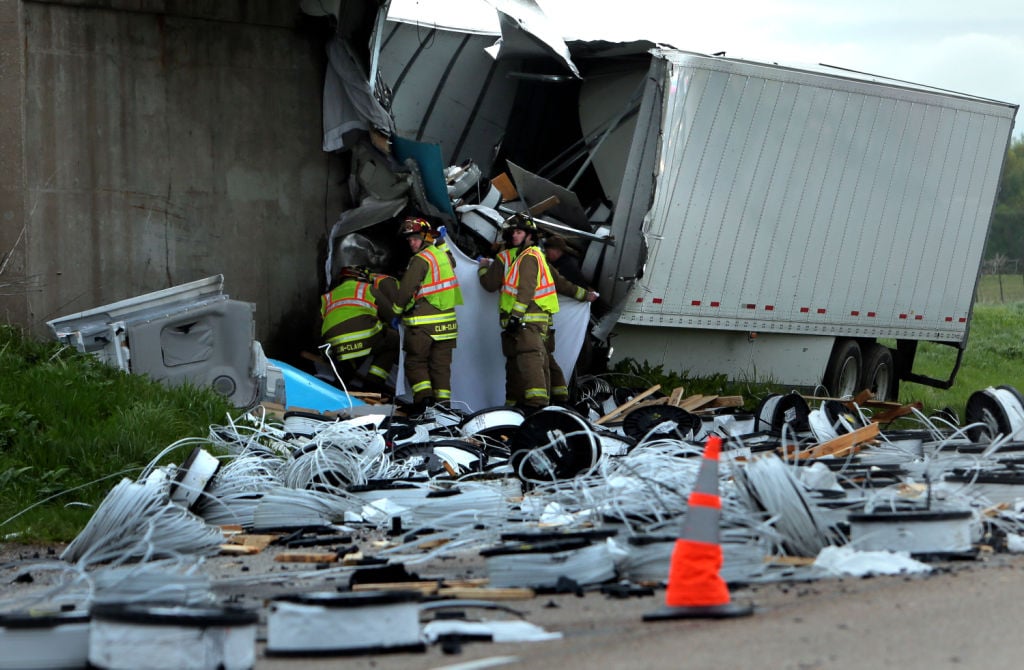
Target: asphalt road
[[966, 615]]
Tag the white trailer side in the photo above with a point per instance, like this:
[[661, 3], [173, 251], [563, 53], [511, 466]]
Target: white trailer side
[[804, 203]]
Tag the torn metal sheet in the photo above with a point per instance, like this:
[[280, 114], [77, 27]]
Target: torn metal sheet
[[527, 33]]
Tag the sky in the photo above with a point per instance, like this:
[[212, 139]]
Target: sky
[[974, 47]]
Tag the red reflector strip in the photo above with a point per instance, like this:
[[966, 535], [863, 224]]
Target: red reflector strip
[[657, 301], [639, 299], [805, 310], [715, 303], [695, 303], [750, 306], [871, 315], [918, 317], [949, 319], [854, 313], [769, 308], [903, 316], [963, 319], [700, 499], [821, 310]]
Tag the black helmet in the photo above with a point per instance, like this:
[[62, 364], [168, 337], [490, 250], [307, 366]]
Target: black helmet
[[523, 221]]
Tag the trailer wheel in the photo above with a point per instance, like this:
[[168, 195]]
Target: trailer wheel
[[842, 376], [878, 372]]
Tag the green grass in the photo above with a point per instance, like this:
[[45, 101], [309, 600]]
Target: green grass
[[994, 356], [1001, 289], [71, 427]]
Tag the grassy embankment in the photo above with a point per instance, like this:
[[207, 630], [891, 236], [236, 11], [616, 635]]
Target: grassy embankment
[[71, 427]]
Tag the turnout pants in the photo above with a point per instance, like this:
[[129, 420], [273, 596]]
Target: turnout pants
[[428, 364], [527, 371], [382, 349]]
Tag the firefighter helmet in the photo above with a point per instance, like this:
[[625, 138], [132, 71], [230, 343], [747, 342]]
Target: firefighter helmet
[[415, 225]]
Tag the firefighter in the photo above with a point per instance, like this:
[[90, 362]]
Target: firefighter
[[427, 295], [355, 315], [528, 300]]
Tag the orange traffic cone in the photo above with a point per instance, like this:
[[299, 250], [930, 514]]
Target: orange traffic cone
[[695, 589]]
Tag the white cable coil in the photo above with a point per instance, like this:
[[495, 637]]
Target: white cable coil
[[124, 637], [344, 623], [137, 520], [592, 564], [55, 641]]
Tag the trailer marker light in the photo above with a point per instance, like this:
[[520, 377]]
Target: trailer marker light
[[750, 306], [918, 317], [639, 299], [821, 310], [854, 313], [871, 315], [949, 318], [657, 301], [903, 316], [715, 303], [769, 308], [963, 319], [695, 303], [805, 310]]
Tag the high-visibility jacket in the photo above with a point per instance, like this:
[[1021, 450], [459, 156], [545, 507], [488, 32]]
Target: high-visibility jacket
[[429, 292], [544, 294], [349, 314]]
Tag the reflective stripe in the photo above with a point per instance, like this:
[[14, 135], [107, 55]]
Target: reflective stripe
[[545, 293], [357, 335], [440, 287], [346, 301], [378, 371], [559, 390], [422, 386], [535, 393], [444, 317], [442, 394]]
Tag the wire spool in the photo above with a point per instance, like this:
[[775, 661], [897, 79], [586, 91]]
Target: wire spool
[[135, 636], [541, 565], [614, 443], [496, 423], [778, 410], [192, 478], [554, 444], [681, 425], [994, 411], [304, 424], [53, 641], [444, 456], [325, 623], [920, 533]]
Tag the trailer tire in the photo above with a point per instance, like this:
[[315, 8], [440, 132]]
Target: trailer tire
[[843, 373], [878, 372]]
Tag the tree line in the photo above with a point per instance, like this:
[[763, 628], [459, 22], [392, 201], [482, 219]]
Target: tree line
[[1006, 237]]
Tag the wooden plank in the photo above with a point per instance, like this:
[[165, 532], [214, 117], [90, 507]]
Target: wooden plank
[[628, 404], [728, 401], [839, 446], [695, 402], [510, 593], [238, 550], [504, 185], [423, 588], [677, 395], [306, 557], [896, 412], [259, 541]]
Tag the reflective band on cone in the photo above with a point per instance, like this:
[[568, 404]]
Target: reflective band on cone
[[695, 587]]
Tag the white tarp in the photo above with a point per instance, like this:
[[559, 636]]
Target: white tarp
[[478, 367]]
